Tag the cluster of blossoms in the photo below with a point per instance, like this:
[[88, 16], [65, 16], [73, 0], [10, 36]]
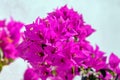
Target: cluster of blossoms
[[57, 48], [9, 39]]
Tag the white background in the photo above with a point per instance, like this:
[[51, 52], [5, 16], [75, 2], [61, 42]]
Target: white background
[[103, 15]]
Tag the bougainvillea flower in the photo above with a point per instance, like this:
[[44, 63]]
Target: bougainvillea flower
[[2, 23], [14, 28], [114, 61], [55, 43], [30, 74], [57, 48], [9, 39], [96, 59]]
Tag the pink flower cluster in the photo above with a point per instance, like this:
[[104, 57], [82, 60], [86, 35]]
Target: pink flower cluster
[[57, 49], [9, 39]]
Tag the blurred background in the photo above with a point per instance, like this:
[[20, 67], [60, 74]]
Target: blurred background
[[103, 15]]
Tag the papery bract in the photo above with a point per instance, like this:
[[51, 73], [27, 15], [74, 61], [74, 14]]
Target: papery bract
[[30, 74], [114, 61]]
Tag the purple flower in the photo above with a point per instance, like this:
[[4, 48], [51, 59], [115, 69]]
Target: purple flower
[[114, 61], [56, 44], [57, 48], [2, 23], [14, 28], [30, 74], [9, 38]]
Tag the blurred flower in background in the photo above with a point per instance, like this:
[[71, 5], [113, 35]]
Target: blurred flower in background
[[9, 39]]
